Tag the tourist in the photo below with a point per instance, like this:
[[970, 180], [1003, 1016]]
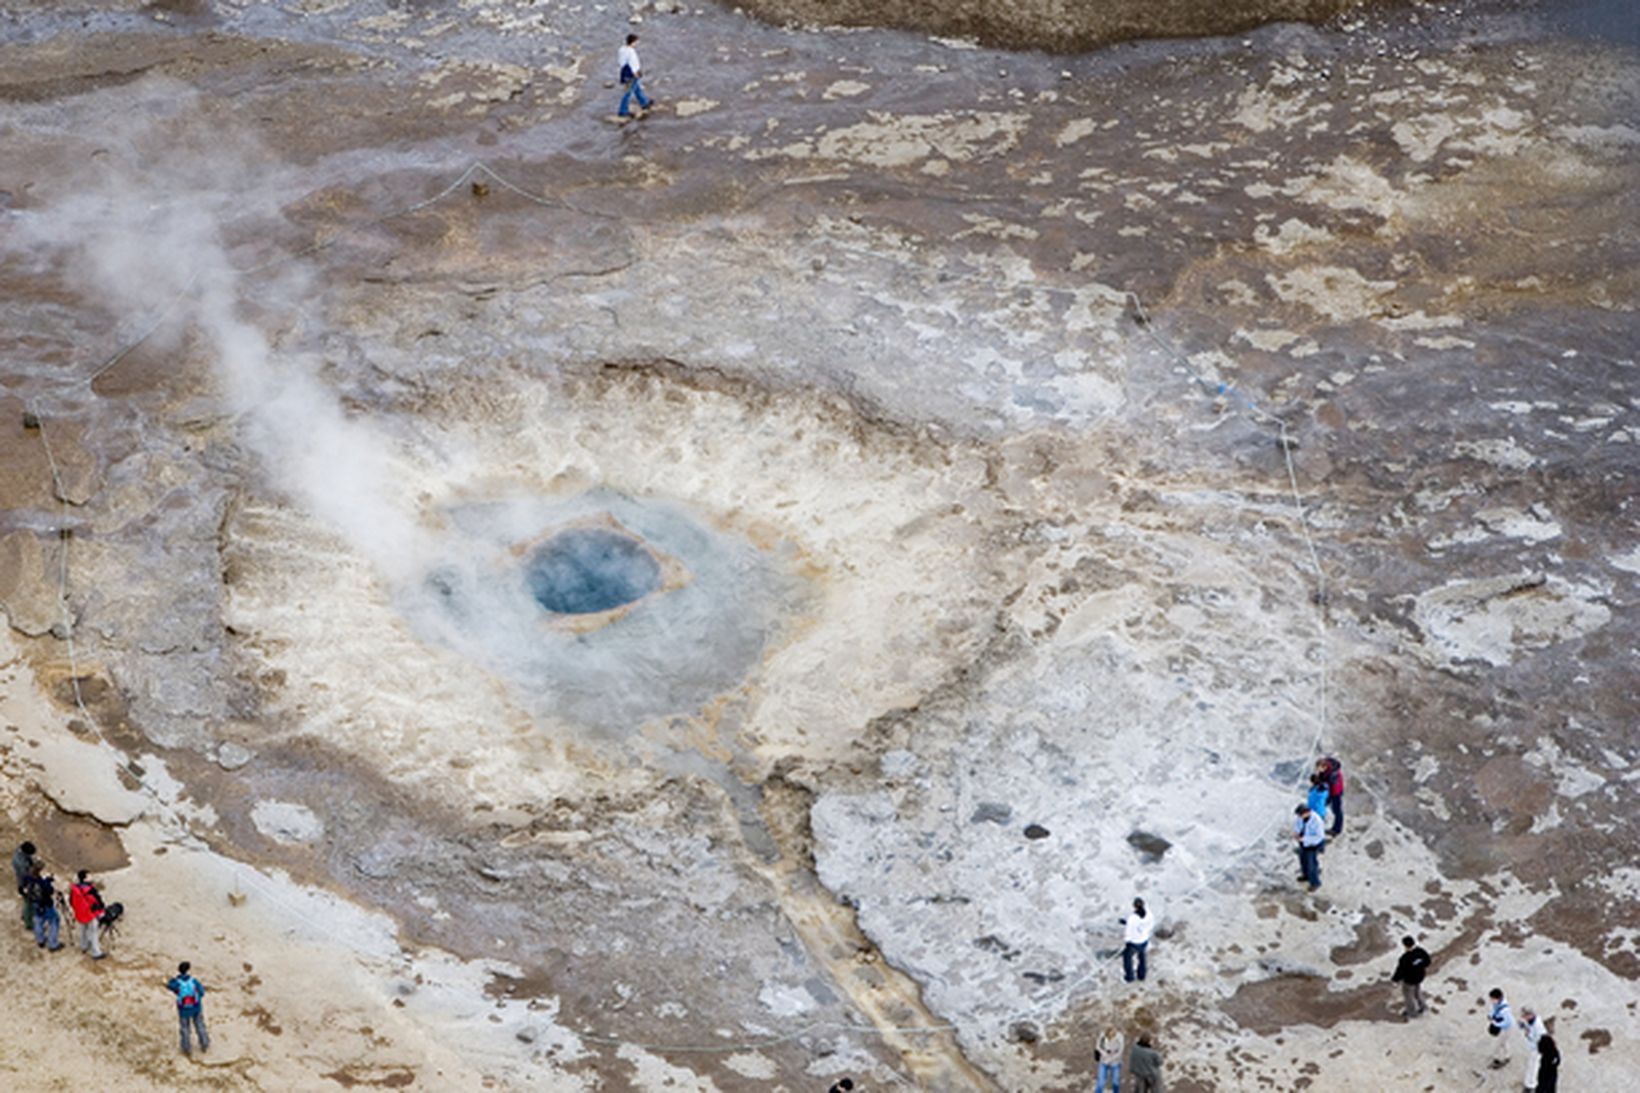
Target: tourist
[[1309, 835], [42, 894], [1409, 972], [1317, 800], [22, 870], [1145, 1067], [1499, 1020], [87, 906], [1107, 1056], [631, 72], [1548, 1064], [190, 994], [1332, 773], [842, 1085], [1531, 1026], [1135, 941]]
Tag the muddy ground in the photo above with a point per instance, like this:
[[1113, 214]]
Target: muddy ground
[[1048, 456]]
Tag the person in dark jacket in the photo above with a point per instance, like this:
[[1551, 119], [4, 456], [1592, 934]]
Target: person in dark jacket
[[1145, 1067], [1409, 972], [1548, 1075], [22, 872], [42, 892], [190, 994]]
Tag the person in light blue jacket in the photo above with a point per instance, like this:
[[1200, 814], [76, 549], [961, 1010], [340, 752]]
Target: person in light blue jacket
[[190, 994]]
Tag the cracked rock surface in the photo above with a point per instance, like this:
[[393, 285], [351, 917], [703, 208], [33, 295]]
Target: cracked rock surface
[[1040, 461]]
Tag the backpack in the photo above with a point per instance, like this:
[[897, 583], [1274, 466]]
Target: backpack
[[188, 992], [1335, 777]]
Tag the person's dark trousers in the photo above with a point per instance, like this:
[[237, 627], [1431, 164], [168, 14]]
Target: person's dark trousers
[[1309, 864], [1335, 805], [1129, 951], [197, 1020]]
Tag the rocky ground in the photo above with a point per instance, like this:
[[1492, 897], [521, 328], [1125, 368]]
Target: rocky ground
[[1044, 458]]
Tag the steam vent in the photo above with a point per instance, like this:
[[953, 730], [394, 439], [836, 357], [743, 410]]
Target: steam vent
[[742, 598]]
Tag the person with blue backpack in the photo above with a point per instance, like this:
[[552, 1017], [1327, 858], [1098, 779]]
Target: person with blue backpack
[[190, 994]]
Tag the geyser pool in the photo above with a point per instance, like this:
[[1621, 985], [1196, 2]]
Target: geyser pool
[[586, 570]]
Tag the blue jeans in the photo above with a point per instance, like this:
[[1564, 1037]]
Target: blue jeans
[[197, 1019], [1113, 1071], [1335, 805], [45, 927], [1309, 864], [632, 89], [1129, 950]]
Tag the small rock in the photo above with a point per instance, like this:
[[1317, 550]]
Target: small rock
[[232, 756], [991, 812], [526, 1035], [31, 420], [1024, 1032], [1150, 847], [1035, 831]]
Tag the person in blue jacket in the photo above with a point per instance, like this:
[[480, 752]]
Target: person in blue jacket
[[190, 994]]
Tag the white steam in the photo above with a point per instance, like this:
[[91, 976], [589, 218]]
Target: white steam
[[145, 229]]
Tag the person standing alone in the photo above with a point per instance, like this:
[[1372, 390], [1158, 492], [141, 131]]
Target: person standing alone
[[1409, 972], [1135, 940], [190, 994], [631, 77], [87, 906]]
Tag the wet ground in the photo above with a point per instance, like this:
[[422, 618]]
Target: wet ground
[[1018, 551]]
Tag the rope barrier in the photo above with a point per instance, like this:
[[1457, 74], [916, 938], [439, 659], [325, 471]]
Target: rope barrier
[[1062, 996]]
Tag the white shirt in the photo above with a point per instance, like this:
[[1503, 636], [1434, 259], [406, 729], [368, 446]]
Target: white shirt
[[1533, 1030], [628, 56], [1138, 928]]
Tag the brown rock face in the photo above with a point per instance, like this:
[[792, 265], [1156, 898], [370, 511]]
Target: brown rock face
[[1051, 24]]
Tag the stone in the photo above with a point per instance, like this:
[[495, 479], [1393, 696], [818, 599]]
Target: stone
[[231, 756], [27, 592], [1036, 831], [991, 812], [286, 822], [1150, 847]]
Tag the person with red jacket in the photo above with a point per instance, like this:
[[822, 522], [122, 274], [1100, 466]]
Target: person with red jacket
[[88, 911], [1332, 773]]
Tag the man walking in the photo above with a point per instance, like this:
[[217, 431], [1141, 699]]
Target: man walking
[[631, 74], [87, 906], [1499, 1020], [1531, 1026], [1308, 834], [1135, 940], [42, 894], [22, 872], [1409, 972], [190, 994], [1145, 1067]]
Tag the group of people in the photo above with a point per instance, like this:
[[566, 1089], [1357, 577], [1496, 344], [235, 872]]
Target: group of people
[[1324, 800], [1144, 1063], [1542, 1072], [41, 904], [42, 914]]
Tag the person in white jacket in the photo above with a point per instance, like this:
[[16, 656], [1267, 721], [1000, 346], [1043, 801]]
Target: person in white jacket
[[1135, 940], [1531, 1026], [631, 73]]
